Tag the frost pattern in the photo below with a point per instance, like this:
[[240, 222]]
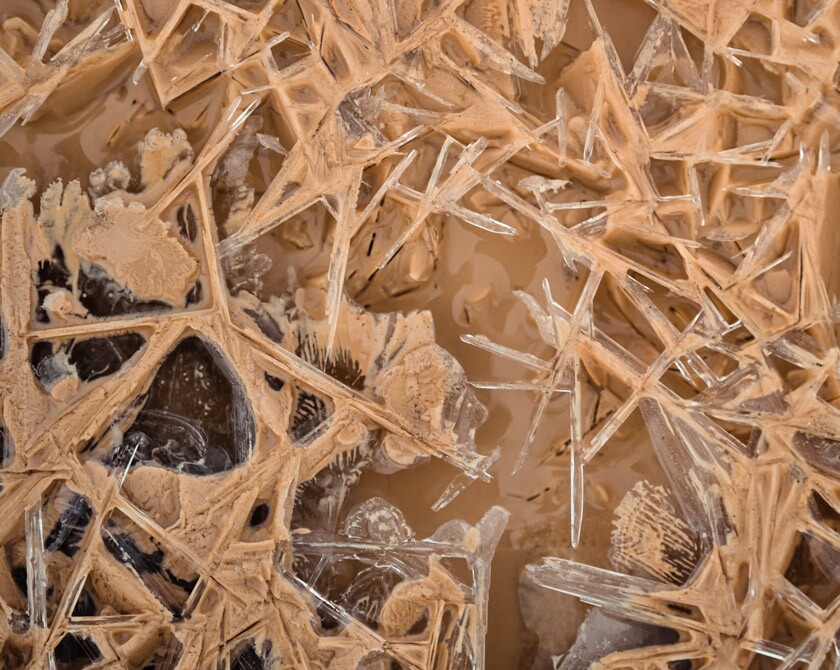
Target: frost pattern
[[688, 195]]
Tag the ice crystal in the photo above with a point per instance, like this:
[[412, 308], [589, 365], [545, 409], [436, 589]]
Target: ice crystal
[[212, 354]]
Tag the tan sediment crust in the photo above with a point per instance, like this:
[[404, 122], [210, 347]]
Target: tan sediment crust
[[696, 182], [189, 518]]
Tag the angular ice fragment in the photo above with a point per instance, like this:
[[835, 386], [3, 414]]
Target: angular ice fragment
[[398, 588], [75, 651], [88, 359], [169, 576], [602, 634], [821, 452], [195, 416]]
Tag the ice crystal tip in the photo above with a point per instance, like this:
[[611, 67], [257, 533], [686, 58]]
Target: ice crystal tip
[[286, 288]]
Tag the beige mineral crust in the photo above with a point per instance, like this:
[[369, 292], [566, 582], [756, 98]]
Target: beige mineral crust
[[214, 574], [286, 286], [138, 251]]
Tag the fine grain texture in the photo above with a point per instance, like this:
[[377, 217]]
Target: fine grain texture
[[291, 288]]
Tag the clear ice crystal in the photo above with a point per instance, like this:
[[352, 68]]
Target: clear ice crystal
[[210, 358]]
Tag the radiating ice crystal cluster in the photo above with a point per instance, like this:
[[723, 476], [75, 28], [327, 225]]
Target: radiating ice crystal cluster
[[220, 223]]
